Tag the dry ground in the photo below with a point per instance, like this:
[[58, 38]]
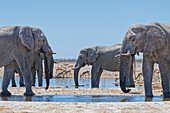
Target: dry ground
[[80, 107], [83, 107]]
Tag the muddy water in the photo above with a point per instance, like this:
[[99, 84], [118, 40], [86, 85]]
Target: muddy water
[[84, 83], [82, 98]]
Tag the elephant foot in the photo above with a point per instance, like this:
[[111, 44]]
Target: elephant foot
[[5, 93], [95, 86], [148, 96], [76, 86], [22, 85], [14, 85], [29, 94], [166, 94], [148, 99]]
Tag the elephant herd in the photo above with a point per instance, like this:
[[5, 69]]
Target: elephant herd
[[152, 39], [23, 48]]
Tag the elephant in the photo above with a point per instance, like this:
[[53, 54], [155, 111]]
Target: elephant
[[17, 45], [16, 70], [101, 58], [39, 67], [153, 40], [36, 66]]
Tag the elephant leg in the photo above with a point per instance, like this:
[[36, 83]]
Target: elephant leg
[[25, 68], [33, 76], [40, 75], [165, 76], [98, 76], [96, 73], [8, 72], [21, 81], [148, 74], [13, 81]]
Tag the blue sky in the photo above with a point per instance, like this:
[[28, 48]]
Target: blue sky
[[71, 25]]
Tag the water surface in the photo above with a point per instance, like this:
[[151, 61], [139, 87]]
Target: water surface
[[82, 98], [84, 83]]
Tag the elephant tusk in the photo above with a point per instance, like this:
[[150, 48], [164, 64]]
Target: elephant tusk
[[124, 54], [51, 53], [117, 56], [54, 62], [76, 68]]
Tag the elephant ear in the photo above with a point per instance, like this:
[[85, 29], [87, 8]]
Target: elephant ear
[[91, 55], [155, 39], [25, 34]]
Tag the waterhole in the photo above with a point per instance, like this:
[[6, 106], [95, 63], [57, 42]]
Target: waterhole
[[82, 98], [84, 83]]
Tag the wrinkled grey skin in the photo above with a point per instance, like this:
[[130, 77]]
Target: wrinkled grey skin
[[21, 82], [101, 58], [153, 40], [17, 44], [36, 66]]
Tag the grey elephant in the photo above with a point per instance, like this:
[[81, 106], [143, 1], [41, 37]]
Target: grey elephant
[[101, 58], [36, 66], [17, 44], [153, 39], [21, 81]]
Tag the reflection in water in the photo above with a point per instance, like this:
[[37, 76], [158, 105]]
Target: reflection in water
[[4, 98], [28, 98], [148, 99], [166, 99], [125, 100], [82, 98]]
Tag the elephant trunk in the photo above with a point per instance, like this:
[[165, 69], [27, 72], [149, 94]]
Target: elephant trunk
[[51, 67], [46, 71], [125, 70], [78, 65], [76, 72]]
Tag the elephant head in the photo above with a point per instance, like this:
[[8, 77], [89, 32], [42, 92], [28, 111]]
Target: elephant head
[[34, 40], [146, 38], [86, 56]]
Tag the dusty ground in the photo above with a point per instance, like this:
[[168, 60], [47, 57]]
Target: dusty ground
[[80, 107]]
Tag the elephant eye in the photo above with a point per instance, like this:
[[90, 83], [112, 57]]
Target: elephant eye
[[132, 38], [44, 41], [80, 57]]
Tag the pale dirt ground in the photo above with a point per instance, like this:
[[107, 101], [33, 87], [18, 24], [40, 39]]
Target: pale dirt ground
[[91, 107], [83, 107]]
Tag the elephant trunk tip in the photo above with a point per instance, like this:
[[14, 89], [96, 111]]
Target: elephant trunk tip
[[122, 85], [46, 87]]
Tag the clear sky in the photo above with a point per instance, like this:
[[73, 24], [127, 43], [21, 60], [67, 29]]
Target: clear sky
[[71, 25]]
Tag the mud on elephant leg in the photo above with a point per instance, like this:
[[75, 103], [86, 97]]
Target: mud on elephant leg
[[8, 72]]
